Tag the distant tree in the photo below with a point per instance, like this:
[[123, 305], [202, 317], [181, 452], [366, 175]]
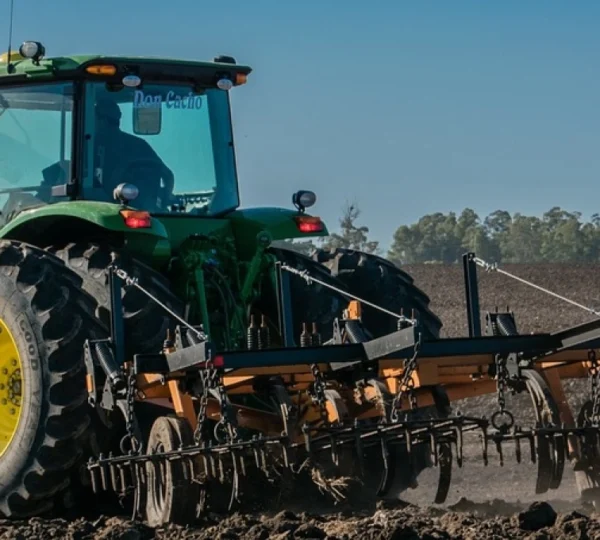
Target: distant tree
[[434, 238], [351, 235], [523, 242], [563, 239], [405, 245], [591, 239]]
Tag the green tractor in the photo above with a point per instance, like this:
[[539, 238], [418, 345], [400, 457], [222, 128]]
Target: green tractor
[[132, 159]]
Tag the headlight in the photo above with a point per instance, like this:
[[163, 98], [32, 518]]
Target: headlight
[[304, 199], [32, 49], [126, 192]]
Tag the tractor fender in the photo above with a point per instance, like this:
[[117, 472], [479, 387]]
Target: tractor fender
[[279, 223], [74, 220]]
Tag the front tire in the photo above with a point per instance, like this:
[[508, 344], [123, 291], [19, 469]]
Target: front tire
[[45, 320]]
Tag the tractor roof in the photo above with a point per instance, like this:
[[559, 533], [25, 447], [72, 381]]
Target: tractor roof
[[66, 67]]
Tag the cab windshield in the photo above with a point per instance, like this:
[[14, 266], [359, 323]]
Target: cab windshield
[[172, 142]]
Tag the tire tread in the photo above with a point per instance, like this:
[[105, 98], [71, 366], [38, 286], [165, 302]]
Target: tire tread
[[65, 419]]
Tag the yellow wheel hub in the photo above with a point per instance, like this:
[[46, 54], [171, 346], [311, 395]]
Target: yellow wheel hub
[[11, 386]]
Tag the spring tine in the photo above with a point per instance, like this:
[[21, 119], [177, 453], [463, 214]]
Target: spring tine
[[221, 471], [137, 472], [445, 474], [434, 448], [500, 452], [459, 445], [532, 447], [188, 465], [518, 449], [94, 479], [484, 448], [235, 484], [359, 448], [104, 474], [334, 450], [208, 470], [263, 456], [307, 439], [568, 453], [214, 466], [256, 456], [243, 465], [385, 481], [409, 449], [114, 480], [122, 478]]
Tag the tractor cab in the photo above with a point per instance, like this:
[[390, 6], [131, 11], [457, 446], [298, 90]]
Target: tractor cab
[[151, 133]]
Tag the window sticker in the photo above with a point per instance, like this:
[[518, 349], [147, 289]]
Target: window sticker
[[171, 101]]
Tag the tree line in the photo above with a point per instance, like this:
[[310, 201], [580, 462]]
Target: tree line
[[556, 236]]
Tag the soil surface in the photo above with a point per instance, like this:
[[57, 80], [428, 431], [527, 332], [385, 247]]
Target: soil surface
[[484, 502]]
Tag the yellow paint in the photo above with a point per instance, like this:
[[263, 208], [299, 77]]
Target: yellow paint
[[11, 385], [14, 57]]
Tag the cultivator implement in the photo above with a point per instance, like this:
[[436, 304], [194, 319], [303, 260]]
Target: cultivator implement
[[352, 414]]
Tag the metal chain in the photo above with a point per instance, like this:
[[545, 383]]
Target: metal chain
[[594, 374], [319, 391], [407, 382], [129, 421], [205, 376], [225, 410], [501, 388], [501, 382]]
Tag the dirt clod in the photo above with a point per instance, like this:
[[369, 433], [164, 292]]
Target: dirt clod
[[536, 517], [309, 530]]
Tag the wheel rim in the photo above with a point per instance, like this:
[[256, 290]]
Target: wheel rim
[[11, 387]]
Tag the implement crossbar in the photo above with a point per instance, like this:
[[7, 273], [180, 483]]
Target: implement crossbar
[[399, 345]]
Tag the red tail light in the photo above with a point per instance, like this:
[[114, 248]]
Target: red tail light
[[136, 220], [309, 224], [219, 361]]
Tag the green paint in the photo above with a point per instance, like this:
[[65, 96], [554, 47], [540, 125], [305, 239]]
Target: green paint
[[105, 215], [180, 228], [253, 273], [278, 222], [66, 218], [216, 264], [202, 300]]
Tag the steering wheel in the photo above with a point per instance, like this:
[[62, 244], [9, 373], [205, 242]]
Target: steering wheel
[[147, 192]]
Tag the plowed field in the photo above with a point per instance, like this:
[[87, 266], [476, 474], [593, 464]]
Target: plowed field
[[484, 502]]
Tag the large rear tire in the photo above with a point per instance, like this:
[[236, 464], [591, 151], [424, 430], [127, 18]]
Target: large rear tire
[[44, 415], [381, 282], [146, 323]]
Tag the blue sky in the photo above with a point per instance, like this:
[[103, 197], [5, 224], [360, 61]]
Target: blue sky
[[407, 107]]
